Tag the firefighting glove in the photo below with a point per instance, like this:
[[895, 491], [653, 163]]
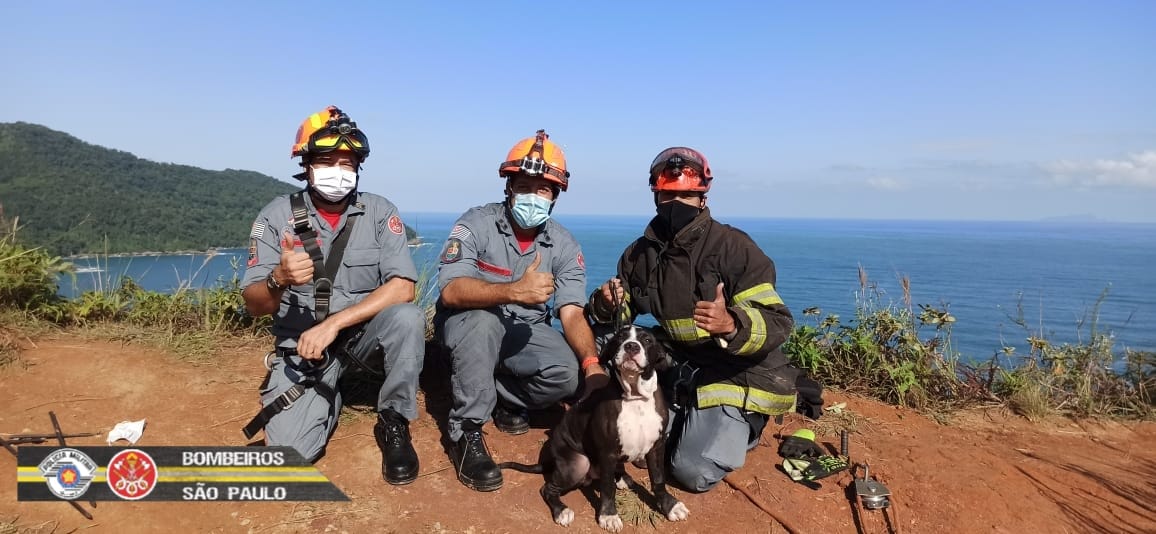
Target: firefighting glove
[[825, 466], [801, 444], [811, 469]]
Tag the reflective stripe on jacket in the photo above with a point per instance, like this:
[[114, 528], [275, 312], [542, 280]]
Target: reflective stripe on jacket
[[667, 277]]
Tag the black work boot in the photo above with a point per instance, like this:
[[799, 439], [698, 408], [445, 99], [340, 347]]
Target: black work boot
[[398, 459], [511, 420], [476, 469]]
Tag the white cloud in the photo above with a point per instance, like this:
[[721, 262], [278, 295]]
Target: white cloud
[[1137, 170], [885, 183]]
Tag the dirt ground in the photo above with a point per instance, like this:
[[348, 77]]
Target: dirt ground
[[984, 471]]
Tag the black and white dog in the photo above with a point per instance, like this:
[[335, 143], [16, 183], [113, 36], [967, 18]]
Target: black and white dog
[[623, 422]]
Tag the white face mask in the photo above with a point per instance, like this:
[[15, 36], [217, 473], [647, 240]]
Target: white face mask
[[333, 183]]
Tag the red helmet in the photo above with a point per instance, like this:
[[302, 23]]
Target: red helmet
[[537, 156], [680, 169]]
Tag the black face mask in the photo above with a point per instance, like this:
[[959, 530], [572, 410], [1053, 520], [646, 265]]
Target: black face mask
[[673, 216]]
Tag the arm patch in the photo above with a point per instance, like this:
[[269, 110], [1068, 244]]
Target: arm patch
[[452, 251]]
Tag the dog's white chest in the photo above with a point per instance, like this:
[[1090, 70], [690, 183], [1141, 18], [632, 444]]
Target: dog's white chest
[[639, 426]]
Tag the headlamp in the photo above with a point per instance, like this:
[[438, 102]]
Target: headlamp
[[339, 131]]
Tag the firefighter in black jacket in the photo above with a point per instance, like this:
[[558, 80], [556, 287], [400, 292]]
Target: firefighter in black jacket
[[712, 291]]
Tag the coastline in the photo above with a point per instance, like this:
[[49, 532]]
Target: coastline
[[413, 243]]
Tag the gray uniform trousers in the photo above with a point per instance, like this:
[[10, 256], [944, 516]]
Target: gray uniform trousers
[[702, 446], [528, 365], [398, 333]]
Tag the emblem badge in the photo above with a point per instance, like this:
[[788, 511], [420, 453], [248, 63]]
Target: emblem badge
[[395, 225], [252, 252], [68, 472], [452, 252], [132, 474]]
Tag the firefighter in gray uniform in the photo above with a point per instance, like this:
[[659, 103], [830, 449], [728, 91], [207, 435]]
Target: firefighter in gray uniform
[[500, 267], [331, 265]]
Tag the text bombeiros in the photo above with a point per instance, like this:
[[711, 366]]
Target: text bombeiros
[[233, 458]]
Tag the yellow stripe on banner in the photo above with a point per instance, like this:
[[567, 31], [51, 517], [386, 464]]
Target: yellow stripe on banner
[[178, 469], [101, 480], [245, 469], [35, 477], [207, 474], [32, 474], [315, 478]]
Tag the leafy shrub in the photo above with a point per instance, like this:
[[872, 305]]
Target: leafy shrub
[[880, 353]]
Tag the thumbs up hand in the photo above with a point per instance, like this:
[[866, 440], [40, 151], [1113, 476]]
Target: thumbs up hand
[[296, 266], [712, 315], [534, 287]]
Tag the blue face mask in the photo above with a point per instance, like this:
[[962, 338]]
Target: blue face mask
[[530, 210]]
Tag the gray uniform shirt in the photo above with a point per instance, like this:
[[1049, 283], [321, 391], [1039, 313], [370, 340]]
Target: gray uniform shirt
[[482, 245], [375, 253]]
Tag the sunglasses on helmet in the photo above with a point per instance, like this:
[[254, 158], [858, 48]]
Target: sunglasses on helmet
[[339, 131]]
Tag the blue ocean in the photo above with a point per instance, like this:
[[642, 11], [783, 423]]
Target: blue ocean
[[1052, 275]]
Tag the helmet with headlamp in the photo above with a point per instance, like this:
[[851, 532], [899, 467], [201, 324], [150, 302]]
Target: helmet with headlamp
[[537, 156], [329, 130], [680, 169]]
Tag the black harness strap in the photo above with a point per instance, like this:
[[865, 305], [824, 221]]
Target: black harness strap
[[310, 378], [324, 269]]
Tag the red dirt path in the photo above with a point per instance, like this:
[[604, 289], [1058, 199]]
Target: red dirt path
[[987, 471]]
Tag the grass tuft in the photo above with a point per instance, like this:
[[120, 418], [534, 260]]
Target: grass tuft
[[633, 511]]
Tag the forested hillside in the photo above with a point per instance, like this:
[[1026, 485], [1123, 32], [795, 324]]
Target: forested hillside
[[70, 196]]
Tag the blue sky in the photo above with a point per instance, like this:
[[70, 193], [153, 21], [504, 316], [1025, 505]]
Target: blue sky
[[894, 110]]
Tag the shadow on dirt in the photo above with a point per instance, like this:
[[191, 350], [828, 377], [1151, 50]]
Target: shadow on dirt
[[1103, 505], [359, 387]]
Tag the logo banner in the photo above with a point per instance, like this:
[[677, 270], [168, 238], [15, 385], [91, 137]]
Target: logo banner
[[170, 474]]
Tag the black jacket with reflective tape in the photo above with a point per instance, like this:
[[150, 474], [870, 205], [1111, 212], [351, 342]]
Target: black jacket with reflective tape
[[666, 277]]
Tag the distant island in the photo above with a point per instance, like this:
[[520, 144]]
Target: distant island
[[74, 198], [1075, 218]]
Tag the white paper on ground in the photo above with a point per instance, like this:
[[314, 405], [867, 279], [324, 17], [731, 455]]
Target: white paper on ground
[[127, 430]]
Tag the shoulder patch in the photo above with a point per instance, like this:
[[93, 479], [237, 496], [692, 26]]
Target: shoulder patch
[[581, 261], [453, 251], [395, 225], [252, 252], [460, 232]]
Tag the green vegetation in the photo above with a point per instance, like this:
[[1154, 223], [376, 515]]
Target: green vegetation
[[1084, 379], [188, 320], [894, 352], [74, 197]]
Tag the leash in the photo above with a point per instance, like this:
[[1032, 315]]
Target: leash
[[619, 322]]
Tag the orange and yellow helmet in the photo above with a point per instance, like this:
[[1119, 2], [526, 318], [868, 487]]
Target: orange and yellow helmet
[[328, 130], [680, 168], [537, 156]]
